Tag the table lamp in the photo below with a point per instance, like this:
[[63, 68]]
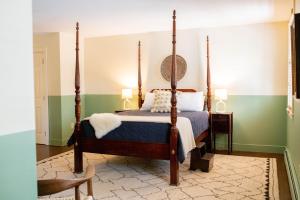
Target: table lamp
[[126, 95], [220, 95]]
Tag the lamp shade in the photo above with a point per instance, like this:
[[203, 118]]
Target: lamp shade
[[221, 94], [126, 93]]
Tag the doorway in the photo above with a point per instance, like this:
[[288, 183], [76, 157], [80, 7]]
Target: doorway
[[41, 97]]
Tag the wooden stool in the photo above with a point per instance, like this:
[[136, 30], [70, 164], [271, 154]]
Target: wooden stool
[[200, 159], [52, 186]]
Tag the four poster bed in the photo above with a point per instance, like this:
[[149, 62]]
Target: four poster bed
[[153, 148]]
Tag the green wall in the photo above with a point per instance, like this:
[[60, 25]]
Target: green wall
[[61, 116], [106, 103], [68, 115], [54, 112], [259, 121], [293, 139], [17, 166]]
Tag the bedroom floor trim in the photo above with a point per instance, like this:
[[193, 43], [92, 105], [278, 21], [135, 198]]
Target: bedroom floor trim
[[292, 177], [253, 147], [44, 151]]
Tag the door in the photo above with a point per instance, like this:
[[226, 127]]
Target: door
[[41, 97]]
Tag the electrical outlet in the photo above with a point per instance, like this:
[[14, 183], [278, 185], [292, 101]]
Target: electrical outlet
[[72, 125]]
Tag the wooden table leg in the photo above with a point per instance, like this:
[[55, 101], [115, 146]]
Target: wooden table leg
[[228, 144], [77, 193], [231, 133], [214, 142]]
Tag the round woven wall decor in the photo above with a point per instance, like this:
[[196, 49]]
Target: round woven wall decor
[[166, 65]]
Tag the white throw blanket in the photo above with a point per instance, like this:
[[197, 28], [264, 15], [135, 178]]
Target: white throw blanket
[[183, 124], [103, 123]]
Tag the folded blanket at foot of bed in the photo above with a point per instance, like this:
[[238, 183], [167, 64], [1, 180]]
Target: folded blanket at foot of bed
[[103, 123]]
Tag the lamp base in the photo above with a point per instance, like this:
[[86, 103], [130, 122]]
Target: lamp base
[[125, 104], [220, 106]]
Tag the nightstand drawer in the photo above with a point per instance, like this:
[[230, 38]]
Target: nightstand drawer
[[221, 126], [221, 122], [220, 117]]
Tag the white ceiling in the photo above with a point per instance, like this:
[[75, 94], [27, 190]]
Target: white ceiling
[[113, 17]]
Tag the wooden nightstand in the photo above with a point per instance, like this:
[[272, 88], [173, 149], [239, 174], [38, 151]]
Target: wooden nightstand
[[222, 123]]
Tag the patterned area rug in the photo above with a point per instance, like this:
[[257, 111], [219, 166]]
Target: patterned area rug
[[233, 177]]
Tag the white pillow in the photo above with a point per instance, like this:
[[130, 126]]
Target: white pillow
[[148, 101], [162, 101], [190, 101]]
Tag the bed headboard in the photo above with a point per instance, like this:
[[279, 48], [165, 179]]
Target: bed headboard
[[208, 94]]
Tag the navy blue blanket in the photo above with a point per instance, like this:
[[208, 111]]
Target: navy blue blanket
[[150, 132]]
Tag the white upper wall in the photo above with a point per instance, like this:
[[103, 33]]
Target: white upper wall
[[67, 63], [297, 6], [248, 59], [49, 42], [104, 17], [111, 63], [60, 51], [16, 64]]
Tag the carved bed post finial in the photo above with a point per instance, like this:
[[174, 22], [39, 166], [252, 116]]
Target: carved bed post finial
[[139, 76], [174, 166], [77, 151], [208, 77]]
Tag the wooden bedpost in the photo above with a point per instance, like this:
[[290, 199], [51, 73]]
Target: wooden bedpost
[[208, 78], [139, 77], [208, 101], [174, 165], [77, 150]]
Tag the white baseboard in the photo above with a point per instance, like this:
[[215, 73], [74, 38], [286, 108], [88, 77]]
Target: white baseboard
[[292, 177]]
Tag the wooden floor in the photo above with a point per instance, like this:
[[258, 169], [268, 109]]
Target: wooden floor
[[44, 151]]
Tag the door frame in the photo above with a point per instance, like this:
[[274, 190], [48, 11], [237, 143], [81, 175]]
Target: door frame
[[46, 106]]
